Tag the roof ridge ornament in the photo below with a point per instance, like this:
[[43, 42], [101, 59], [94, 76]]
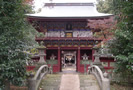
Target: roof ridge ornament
[[51, 1], [50, 4]]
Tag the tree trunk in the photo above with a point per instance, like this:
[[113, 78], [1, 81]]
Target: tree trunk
[[7, 85]]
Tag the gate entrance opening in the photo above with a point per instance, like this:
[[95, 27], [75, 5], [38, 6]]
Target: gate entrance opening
[[68, 60]]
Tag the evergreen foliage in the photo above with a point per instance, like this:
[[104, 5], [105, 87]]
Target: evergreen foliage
[[15, 38], [122, 45], [105, 6]]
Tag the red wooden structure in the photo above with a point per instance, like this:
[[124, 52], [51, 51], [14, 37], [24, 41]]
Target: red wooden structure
[[68, 36]]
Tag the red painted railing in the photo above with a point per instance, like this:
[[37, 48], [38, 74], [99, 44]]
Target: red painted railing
[[30, 68], [66, 38]]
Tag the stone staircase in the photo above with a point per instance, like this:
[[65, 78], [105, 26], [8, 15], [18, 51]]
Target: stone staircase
[[69, 79], [51, 82], [88, 82]]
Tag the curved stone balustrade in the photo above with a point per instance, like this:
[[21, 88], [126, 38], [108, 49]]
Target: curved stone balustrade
[[101, 77], [33, 82]]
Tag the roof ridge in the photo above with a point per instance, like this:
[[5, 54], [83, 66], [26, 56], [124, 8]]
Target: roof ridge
[[69, 4]]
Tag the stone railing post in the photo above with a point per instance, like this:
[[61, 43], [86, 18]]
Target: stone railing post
[[31, 83], [105, 84]]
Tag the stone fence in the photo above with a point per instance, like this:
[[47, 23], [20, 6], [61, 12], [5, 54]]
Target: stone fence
[[102, 78]]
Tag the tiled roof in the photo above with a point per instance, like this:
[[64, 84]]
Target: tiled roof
[[67, 10]]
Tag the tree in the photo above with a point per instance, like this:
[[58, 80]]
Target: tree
[[102, 28], [13, 41], [122, 45], [105, 6]]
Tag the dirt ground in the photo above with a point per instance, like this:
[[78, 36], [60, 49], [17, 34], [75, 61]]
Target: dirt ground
[[120, 87]]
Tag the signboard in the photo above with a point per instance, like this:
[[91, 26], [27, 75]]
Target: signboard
[[69, 34]]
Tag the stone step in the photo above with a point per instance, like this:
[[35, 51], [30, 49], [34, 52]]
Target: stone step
[[88, 82], [53, 82], [89, 88], [49, 88], [50, 82]]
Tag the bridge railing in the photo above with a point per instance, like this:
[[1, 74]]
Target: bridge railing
[[101, 77], [33, 82]]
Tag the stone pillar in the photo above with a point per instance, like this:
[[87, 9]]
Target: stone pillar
[[78, 63], [59, 58]]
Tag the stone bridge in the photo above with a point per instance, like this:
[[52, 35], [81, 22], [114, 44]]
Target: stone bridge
[[69, 79]]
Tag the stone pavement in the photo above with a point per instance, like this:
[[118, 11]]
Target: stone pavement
[[70, 82]]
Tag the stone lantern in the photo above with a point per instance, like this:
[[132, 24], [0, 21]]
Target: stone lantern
[[85, 57], [41, 50], [41, 54], [97, 58]]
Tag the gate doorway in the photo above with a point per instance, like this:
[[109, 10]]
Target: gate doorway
[[68, 61]]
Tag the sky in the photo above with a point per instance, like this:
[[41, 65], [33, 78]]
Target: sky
[[40, 3]]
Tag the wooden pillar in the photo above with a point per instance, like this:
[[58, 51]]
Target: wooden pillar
[[59, 59], [78, 62], [45, 55], [108, 64], [93, 55]]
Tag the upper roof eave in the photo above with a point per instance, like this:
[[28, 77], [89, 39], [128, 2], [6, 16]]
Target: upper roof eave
[[74, 17], [64, 11]]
